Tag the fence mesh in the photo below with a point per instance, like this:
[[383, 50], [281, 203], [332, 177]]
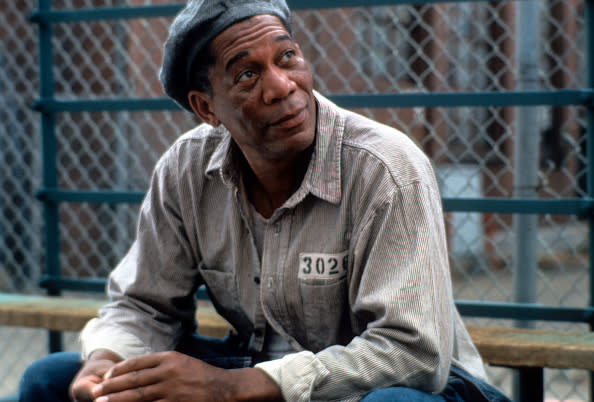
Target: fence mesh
[[449, 47]]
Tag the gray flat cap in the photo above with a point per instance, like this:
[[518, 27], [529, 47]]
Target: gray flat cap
[[193, 29]]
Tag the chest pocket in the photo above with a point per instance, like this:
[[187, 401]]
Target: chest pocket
[[223, 293], [323, 288]]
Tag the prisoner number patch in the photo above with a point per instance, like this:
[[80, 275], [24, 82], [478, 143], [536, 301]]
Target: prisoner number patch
[[323, 265]]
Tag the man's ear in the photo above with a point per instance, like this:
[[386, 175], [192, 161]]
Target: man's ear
[[201, 105]]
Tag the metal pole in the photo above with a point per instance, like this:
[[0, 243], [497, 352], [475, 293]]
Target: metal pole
[[122, 167], [526, 153], [526, 157], [50, 177], [589, 34]]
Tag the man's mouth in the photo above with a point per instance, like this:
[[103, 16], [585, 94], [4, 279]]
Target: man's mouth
[[291, 119]]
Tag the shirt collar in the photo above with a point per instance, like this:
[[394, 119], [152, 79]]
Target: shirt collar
[[222, 160], [323, 176]]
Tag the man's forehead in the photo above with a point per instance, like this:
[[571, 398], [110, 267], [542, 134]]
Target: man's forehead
[[248, 34]]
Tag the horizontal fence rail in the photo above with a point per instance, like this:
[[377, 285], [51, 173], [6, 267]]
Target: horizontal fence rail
[[407, 100], [116, 13], [581, 206]]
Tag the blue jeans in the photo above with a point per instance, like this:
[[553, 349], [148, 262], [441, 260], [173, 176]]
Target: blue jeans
[[461, 387], [48, 379]]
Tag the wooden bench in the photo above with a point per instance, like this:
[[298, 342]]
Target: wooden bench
[[528, 350], [71, 314]]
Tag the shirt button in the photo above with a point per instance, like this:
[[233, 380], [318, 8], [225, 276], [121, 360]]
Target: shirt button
[[257, 280]]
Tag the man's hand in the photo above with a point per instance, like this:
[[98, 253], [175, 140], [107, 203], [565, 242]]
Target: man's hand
[[172, 376], [91, 374]]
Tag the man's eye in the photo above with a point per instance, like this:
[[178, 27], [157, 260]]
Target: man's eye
[[288, 55], [245, 76]]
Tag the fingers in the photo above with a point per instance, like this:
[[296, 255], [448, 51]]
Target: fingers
[[81, 389], [130, 379], [167, 375], [135, 364], [87, 378], [139, 394]]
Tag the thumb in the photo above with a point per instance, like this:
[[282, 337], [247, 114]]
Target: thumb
[[82, 387]]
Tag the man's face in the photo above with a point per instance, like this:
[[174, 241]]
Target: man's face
[[261, 90]]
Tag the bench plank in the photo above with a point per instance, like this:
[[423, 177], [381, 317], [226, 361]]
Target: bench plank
[[516, 347], [55, 313], [71, 314], [511, 347]]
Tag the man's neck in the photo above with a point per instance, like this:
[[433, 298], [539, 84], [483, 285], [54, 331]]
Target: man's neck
[[269, 187]]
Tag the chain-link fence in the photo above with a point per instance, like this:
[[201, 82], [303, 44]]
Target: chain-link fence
[[449, 47]]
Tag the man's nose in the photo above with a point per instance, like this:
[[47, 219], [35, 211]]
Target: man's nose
[[277, 85]]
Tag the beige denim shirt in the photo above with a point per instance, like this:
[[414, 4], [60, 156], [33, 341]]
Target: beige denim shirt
[[354, 271]]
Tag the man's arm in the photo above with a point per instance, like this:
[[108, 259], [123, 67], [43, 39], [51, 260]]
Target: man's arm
[[152, 289]]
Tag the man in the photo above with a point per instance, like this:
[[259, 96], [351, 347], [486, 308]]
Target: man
[[317, 232]]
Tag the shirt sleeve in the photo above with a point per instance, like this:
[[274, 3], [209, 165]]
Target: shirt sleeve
[[151, 291], [96, 335], [400, 297]]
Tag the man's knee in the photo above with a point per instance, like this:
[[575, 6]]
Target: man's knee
[[400, 394], [48, 378]]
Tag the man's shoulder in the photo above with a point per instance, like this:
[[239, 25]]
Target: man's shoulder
[[376, 143], [364, 131], [193, 151], [201, 140], [200, 134], [365, 137]]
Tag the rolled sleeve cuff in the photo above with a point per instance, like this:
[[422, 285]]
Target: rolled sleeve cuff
[[297, 374], [97, 335]]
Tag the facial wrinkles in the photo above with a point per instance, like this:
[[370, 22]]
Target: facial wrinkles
[[244, 41]]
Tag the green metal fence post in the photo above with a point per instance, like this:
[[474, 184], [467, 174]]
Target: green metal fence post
[[50, 179], [589, 35]]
